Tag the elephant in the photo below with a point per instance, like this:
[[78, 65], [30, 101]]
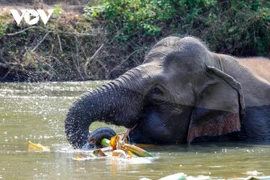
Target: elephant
[[181, 93]]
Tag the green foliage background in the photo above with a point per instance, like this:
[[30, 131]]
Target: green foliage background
[[239, 27], [114, 36]]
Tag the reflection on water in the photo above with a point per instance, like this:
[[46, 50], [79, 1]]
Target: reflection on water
[[36, 112]]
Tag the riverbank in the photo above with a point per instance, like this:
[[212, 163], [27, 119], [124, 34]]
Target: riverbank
[[61, 50], [106, 40]]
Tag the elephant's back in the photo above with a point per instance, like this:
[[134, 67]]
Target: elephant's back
[[260, 67]]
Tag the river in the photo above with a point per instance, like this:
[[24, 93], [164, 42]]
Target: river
[[36, 112]]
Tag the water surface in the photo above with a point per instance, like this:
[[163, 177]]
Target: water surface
[[36, 112]]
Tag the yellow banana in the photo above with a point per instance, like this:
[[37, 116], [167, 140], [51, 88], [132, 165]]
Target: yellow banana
[[35, 146], [38, 147], [117, 144], [136, 150]]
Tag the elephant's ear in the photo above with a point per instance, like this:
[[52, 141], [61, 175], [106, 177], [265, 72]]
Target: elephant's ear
[[218, 107]]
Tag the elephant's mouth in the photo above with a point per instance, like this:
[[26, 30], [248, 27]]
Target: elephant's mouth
[[136, 133], [149, 129]]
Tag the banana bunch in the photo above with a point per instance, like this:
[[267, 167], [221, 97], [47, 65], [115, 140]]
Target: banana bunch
[[117, 144]]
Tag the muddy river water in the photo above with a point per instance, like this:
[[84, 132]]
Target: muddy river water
[[36, 112]]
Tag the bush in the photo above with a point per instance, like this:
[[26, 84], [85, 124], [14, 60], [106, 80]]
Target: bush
[[229, 26], [59, 51]]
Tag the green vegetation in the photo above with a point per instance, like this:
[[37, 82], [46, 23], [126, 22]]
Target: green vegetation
[[112, 37], [230, 26], [147, 17]]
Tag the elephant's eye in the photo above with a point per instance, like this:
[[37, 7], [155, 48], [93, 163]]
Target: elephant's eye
[[157, 91], [156, 95]]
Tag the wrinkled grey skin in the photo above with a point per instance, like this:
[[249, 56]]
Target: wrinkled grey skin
[[181, 93]]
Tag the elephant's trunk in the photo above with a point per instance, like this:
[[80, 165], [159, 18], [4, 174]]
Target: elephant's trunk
[[109, 103]]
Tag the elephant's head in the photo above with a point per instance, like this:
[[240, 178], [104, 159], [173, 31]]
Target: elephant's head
[[179, 93]]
